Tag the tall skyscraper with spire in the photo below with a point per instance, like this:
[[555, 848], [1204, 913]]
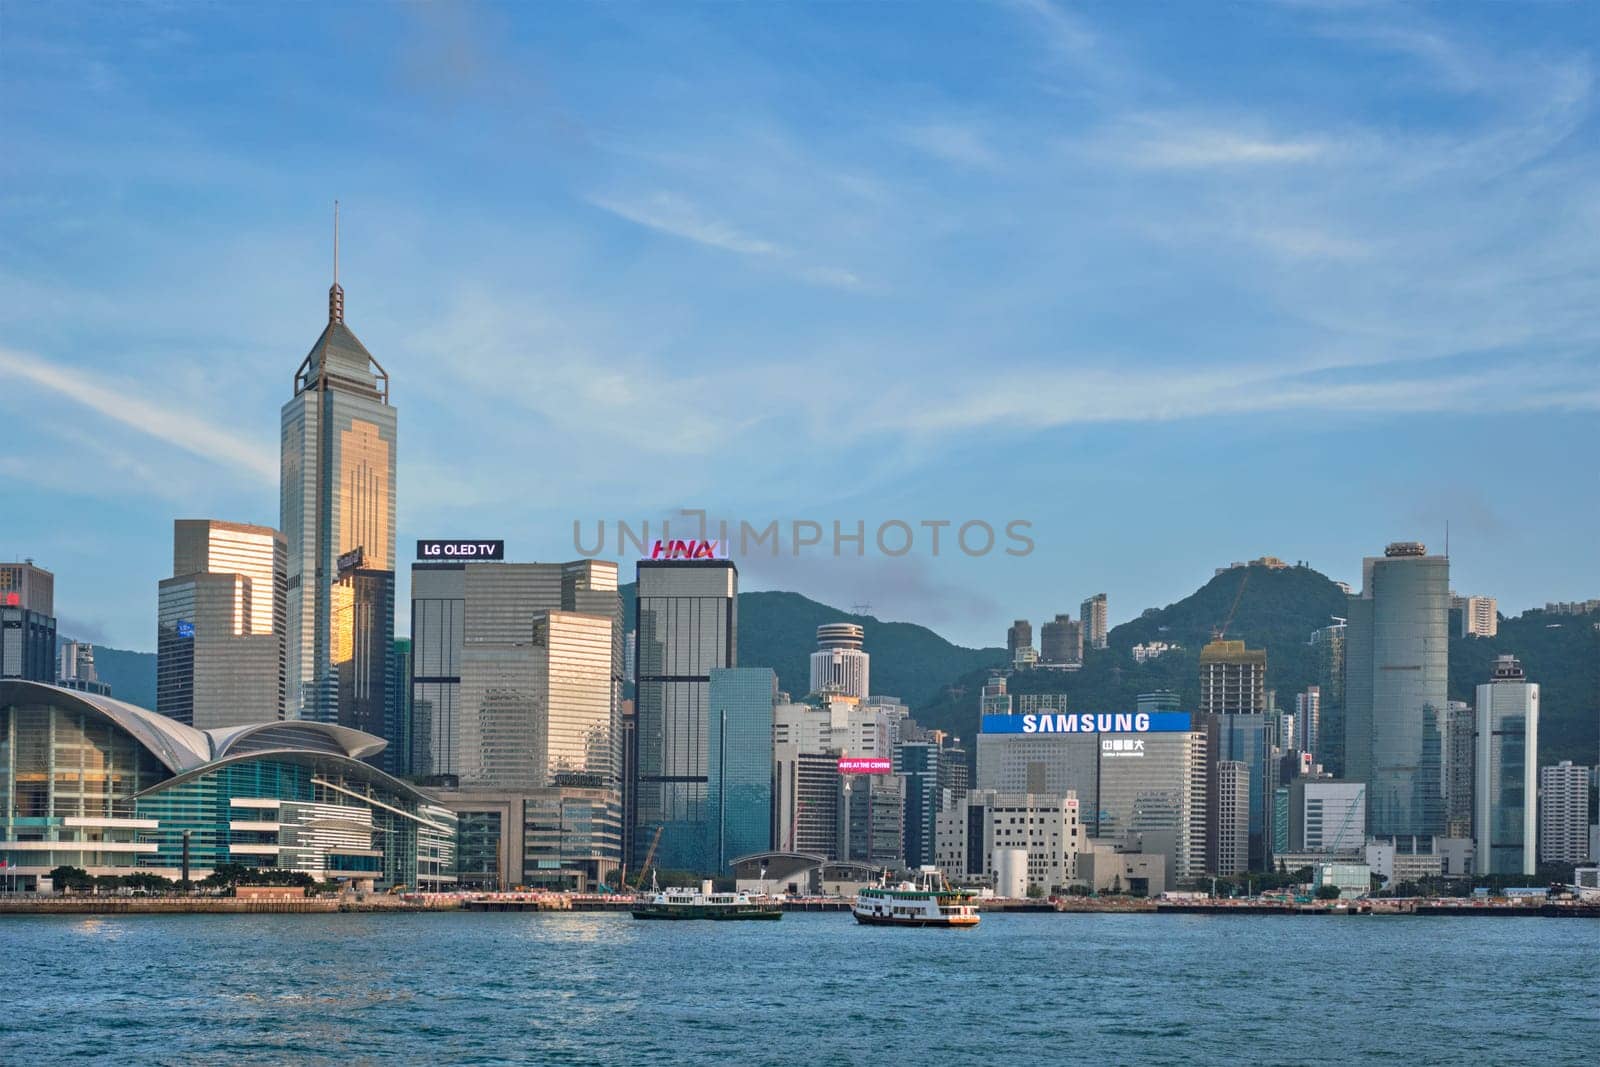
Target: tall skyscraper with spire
[[338, 514]]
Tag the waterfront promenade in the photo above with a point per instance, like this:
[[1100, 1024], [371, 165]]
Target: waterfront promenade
[[178, 904]]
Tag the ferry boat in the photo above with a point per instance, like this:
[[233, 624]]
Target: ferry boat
[[702, 903], [929, 901]]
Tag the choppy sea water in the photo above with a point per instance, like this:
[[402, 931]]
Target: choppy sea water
[[813, 988]]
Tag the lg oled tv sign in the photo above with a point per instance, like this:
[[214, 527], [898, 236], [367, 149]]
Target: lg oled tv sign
[[662, 549], [493, 551], [865, 765], [1121, 722]]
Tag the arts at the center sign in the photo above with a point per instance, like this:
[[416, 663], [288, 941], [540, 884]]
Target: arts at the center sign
[[1091, 722]]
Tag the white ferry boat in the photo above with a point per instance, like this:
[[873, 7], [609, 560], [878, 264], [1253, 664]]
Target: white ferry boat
[[929, 901], [702, 903]]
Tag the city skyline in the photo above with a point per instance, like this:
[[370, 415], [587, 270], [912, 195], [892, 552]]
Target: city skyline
[[1369, 378]]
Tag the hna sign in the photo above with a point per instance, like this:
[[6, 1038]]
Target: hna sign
[[1100, 722], [660, 549]]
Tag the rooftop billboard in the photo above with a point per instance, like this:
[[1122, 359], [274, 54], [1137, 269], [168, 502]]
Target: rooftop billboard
[[1097, 722]]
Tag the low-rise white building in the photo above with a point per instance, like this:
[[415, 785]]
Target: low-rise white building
[[974, 828]]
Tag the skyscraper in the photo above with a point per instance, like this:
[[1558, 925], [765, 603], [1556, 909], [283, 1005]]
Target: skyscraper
[[688, 623], [1233, 817], [1061, 642], [1460, 747], [27, 622], [1093, 614], [338, 515], [838, 665], [739, 764], [1508, 771], [1233, 679], [918, 763], [1474, 616], [1307, 720], [1327, 648], [472, 627], [1396, 659], [220, 644], [75, 669], [1019, 636], [1563, 813]]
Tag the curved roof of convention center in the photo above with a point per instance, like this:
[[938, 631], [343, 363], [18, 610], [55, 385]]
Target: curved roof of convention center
[[183, 748], [295, 734]]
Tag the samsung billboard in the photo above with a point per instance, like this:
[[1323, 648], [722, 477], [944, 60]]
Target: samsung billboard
[[1096, 722]]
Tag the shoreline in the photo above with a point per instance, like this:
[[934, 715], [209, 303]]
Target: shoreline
[[545, 903]]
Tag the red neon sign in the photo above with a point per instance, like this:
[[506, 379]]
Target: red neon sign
[[13, 600], [660, 549], [865, 765]]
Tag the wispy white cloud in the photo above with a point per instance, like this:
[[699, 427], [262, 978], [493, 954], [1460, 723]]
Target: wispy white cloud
[[1048, 398], [1181, 142], [677, 216], [121, 403], [962, 143], [672, 214]]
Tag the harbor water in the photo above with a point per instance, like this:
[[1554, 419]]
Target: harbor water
[[815, 988]]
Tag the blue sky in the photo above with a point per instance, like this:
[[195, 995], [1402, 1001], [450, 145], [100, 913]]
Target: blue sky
[[1177, 284]]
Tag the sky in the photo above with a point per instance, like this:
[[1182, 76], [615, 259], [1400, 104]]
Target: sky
[[1173, 284]]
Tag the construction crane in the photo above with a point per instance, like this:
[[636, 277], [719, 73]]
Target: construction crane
[[1218, 633], [638, 883]]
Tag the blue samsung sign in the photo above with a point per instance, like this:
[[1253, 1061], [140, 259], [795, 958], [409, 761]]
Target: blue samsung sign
[[1096, 722], [185, 628]]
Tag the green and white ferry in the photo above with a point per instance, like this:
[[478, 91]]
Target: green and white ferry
[[702, 903], [930, 901]]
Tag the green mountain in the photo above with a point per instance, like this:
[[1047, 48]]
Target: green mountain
[[1277, 610], [1562, 654], [779, 630]]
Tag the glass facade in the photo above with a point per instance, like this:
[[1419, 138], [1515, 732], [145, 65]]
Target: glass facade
[[337, 512], [1244, 739], [488, 690], [478, 848], [1396, 659], [687, 627], [571, 838], [329, 817], [1507, 770], [918, 762], [1153, 786], [1327, 647], [739, 765], [115, 789], [220, 645]]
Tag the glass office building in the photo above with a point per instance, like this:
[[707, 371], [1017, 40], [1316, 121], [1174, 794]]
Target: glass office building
[[94, 783], [1241, 739], [474, 671], [687, 627], [1508, 771], [918, 763], [220, 645], [1397, 644], [1152, 793], [739, 764], [27, 622], [337, 513]]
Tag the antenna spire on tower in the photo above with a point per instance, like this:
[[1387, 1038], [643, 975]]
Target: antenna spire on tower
[[335, 293]]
